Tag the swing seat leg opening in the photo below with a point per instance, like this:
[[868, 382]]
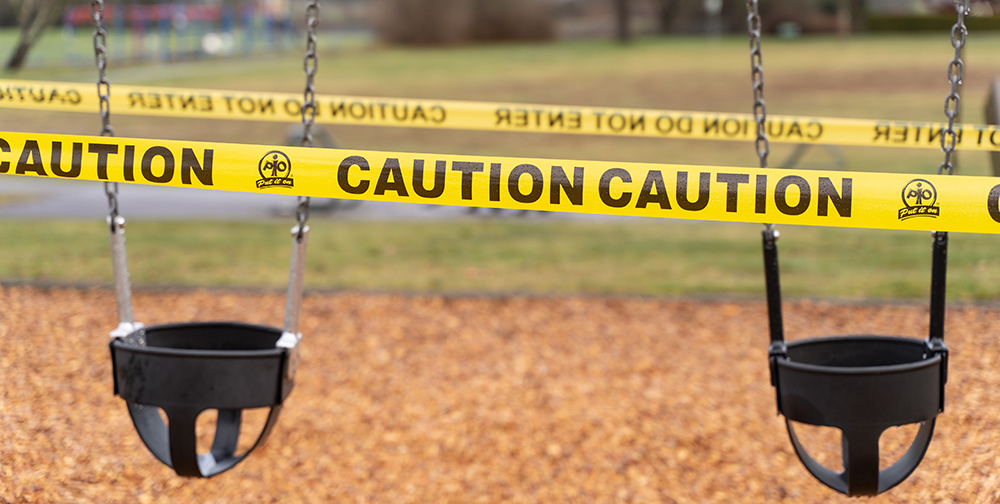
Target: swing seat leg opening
[[185, 369], [862, 385]]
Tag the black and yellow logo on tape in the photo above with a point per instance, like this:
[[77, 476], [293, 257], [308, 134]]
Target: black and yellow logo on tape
[[919, 198], [275, 170], [465, 115], [824, 198]]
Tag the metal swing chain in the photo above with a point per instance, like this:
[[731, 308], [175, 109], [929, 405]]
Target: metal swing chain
[[104, 94], [757, 79], [761, 143], [291, 336], [949, 139], [310, 64], [101, 58], [116, 223], [777, 348]]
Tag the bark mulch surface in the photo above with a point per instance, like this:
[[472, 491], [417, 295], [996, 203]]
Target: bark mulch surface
[[427, 398]]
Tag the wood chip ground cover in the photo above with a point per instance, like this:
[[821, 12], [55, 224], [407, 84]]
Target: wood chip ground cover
[[425, 398]]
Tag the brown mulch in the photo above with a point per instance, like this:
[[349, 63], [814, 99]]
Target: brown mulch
[[426, 398]]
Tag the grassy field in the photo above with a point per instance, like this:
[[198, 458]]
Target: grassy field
[[886, 77], [504, 256]]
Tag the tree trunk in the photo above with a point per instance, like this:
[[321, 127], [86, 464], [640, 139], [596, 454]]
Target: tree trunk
[[17, 58], [35, 17]]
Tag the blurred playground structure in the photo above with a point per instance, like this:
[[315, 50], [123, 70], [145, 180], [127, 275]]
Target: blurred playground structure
[[151, 30], [172, 31]]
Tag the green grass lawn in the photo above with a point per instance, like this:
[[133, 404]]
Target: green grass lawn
[[883, 77], [506, 255]]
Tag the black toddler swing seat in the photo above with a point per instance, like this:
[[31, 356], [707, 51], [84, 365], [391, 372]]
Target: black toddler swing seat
[[860, 384], [187, 368]]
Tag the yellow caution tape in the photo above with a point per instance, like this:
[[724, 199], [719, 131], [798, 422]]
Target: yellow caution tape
[[821, 198], [215, 104]]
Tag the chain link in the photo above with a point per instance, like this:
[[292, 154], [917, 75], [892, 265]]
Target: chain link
[[302, 215], [761, 143], [101, 58], [310, 64], [111, 190], [757, 77], [949, 138]]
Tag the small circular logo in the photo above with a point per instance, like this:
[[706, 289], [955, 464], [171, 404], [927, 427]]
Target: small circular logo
[[919, 193], [275, 164], [275, 170], [919, 200]]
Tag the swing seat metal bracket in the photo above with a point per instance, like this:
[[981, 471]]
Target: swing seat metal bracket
[[776, 350], [291, 342], [936, 347], [125, 328]]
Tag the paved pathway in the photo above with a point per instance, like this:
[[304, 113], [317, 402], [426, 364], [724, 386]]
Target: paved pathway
[[28, 198]]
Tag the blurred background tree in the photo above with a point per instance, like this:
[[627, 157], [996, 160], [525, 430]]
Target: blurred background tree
[[33, 17]]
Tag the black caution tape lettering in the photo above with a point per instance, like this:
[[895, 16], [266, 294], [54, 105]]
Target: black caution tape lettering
[[463, 115], [158, 163], [39, 95]]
